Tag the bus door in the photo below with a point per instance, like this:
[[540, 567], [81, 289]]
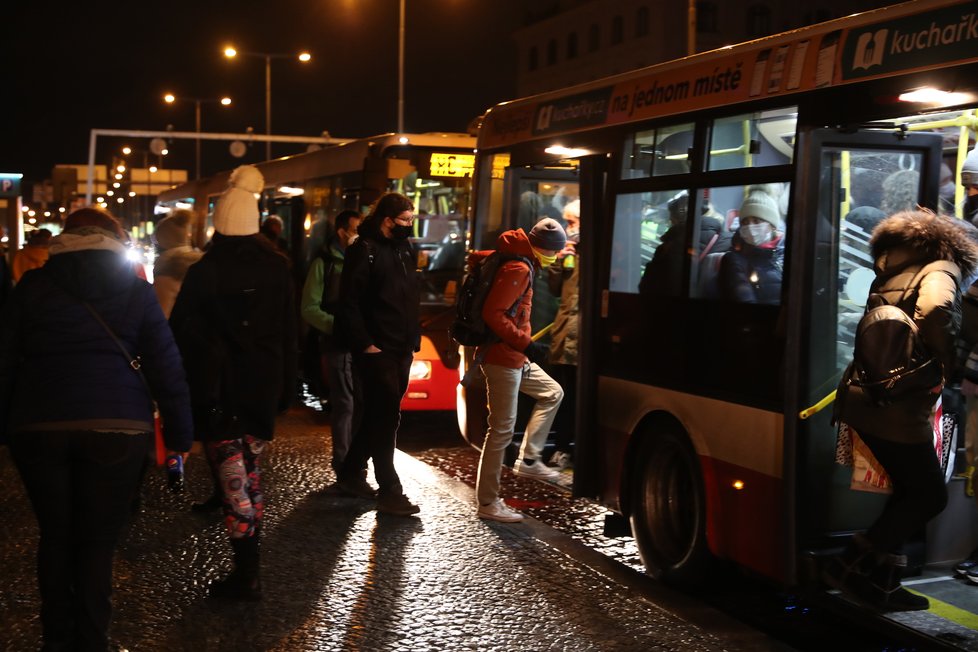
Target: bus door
[[847, 181], [517, 196]]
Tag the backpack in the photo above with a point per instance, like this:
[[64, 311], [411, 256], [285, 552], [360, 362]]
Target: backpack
[[890, 360], [468, 328]]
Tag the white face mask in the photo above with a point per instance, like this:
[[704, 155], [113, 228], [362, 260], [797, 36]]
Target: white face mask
[[756, 234]]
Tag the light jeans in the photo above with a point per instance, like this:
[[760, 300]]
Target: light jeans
[[503, 386]]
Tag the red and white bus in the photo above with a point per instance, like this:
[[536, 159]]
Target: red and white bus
[[308, 190], [701, 418]]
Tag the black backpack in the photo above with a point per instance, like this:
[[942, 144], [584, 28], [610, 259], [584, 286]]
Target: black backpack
[[468, 328], [890, 360]]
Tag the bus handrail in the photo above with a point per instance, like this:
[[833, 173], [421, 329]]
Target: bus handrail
[[818, 407]]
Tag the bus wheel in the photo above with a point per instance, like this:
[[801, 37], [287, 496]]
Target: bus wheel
[[668, 515]]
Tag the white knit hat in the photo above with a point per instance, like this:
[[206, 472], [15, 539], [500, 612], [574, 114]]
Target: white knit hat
[[236, 212], [969, 170], [761, 205]]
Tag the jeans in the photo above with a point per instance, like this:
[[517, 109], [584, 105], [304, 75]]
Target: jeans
[[503, 386], [341, 397], [81, 485], [380, 381], [919, 492]]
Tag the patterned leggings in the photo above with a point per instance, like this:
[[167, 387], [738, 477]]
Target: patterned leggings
[[234, 463]]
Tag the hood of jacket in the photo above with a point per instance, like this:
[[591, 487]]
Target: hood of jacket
[[93, 273], [518, 243], [922, 236]]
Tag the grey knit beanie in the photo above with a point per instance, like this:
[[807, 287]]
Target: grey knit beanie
[[547, 234]]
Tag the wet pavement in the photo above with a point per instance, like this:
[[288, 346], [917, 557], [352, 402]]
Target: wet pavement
[[338, 576]]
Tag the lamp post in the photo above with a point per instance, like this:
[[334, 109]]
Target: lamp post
[[170, 98], [400, 72], [304, 57]]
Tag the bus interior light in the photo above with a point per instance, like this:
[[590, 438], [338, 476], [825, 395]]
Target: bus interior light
[[568, 152], [738, 485], [936, 97], [291, 191]]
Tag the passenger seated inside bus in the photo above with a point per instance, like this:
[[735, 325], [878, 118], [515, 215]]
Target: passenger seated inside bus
[[752, 270], [663, 274]]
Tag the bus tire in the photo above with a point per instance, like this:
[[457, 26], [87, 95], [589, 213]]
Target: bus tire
[[668, 510]]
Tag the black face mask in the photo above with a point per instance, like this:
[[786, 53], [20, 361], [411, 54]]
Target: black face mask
[[970, 205], [401, 232]]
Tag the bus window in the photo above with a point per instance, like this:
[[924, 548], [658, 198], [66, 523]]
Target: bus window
[[642, 220], [753, 140], [858, 189], [492, 183], [752, 274], [657, 152]]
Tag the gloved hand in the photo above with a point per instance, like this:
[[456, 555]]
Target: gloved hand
[[537, 352]]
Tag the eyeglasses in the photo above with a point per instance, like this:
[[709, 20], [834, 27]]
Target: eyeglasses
[[406, 221]]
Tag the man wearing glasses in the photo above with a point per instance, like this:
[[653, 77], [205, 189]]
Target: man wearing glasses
[[378, 316]]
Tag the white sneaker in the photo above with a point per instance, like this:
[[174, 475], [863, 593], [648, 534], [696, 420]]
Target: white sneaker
[[499, 511], [560, 460], [538, 470]]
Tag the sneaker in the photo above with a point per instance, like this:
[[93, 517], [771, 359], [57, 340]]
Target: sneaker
[[962, 568], [560, 460], [499, 511], [356, 486], [972, 575], [396, 504], [536, 470]]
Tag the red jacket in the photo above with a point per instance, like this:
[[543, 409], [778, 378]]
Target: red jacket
[[512, 279]]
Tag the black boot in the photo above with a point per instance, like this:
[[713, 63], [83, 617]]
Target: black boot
[[210, 505], [881, 588], [856, 560], [244, 582]]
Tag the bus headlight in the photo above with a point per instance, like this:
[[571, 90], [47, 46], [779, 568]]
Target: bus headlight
[[420, 370]]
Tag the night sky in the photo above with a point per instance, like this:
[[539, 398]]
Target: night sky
[[107, 65]]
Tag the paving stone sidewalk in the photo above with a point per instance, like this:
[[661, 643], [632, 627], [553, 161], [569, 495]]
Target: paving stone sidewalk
[[338, 576]]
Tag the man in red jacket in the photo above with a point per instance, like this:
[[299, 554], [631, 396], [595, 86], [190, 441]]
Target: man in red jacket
[[511, 366]]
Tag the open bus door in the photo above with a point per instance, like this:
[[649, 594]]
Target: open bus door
[[531, 191], [847, 180]]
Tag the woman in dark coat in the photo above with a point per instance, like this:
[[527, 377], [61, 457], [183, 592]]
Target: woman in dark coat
[[235, 324], [81, 453], [900, 433], [751, 271]]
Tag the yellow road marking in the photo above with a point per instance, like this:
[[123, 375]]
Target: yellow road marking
[[950, 612]]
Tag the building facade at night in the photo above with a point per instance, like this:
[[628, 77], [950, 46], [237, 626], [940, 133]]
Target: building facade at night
[[577, 41]]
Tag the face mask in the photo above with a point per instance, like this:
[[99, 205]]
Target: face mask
[[970, 205], [401, 232], [756, 234], [545, 261]]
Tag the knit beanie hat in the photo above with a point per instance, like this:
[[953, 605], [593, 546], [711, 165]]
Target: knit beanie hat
[[761, 205], [174, 229], [236, 212], [969, 171], [547, 234], [90, 220]]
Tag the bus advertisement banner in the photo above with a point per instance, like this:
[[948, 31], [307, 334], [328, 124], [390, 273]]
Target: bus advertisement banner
[[795, 62], [924, 40]]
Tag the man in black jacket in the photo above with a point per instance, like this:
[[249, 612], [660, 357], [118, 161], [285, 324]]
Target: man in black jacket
[[378, 317]]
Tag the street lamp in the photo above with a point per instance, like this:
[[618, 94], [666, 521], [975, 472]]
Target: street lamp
[[170, 98], [400, 72], [304, 57]]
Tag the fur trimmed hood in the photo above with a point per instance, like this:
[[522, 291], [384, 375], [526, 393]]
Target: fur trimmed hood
[[926, 236]]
